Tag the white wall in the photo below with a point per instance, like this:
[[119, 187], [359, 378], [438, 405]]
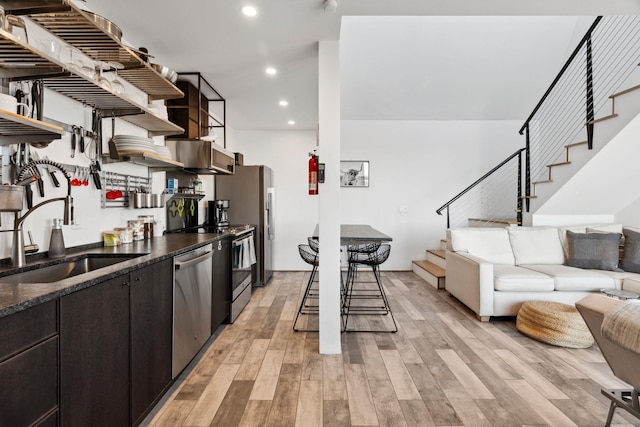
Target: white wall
[[296, 212], [90, 218], [418, 165]]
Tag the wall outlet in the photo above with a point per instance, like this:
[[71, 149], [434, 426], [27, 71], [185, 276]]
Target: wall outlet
[[403, 209]]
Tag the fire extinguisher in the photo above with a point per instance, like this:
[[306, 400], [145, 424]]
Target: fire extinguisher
[[313, 173]]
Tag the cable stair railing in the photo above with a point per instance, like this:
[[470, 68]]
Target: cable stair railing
[[491, 197], [563, 120]]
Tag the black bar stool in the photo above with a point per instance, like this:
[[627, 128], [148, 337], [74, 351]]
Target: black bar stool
[[369, 256], [310, 257]]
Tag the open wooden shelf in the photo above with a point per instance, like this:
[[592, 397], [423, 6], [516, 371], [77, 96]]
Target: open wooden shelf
[[15, 129]]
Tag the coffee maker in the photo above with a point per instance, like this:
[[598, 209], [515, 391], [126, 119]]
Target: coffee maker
[[219, 215]]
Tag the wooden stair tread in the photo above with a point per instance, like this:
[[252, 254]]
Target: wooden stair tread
[[497, 220], [438, 252], [601, 119], [575, 144], [623, 92], [529, 197], [558, 164], [431, 268], [542, 182]]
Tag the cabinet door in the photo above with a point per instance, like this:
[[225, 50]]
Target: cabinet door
[[29, 384], [151, 335], [94, 355], [221, 290]]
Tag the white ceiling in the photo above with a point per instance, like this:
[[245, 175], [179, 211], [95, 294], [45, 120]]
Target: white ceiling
[[403, 67]]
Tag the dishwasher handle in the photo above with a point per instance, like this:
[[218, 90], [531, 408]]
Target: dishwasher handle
[[186, 264]]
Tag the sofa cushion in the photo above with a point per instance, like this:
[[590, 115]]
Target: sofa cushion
[[514, 278], [566, 278], [490, 244], [536, 245], [631, 257], [631, 284], [619, 276], [597, 250]]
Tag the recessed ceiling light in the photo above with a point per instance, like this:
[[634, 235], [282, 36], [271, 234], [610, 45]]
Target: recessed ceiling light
[[271, 71], [291, 122], [284, 103], [249, 11]]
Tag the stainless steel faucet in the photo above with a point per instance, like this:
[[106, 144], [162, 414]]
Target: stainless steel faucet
[[19, 257]]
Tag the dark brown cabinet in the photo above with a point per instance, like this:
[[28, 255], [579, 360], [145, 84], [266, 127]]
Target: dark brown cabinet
[[94, 355], [191, 112], [115, 347], [221, 283], [151, 335], [29, 367]]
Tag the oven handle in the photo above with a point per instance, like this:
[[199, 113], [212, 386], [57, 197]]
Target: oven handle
[[191, 262]]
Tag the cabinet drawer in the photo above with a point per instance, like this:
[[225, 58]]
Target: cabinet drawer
[[21, 330], [29, 385]]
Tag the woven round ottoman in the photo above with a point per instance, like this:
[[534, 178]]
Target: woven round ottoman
[[554, 323]]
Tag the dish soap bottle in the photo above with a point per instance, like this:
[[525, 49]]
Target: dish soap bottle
[[56, 244]]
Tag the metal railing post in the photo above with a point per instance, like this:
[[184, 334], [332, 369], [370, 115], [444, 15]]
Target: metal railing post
[[448, 222], [589, 106], [527, 171], [519, 202]]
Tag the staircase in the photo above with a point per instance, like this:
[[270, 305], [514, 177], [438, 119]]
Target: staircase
[[432, 269], [564, 134]]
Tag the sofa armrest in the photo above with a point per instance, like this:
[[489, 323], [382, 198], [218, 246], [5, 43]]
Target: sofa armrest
[[470, 279]]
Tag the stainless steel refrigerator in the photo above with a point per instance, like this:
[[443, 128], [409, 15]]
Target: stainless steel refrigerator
[[251, 195]]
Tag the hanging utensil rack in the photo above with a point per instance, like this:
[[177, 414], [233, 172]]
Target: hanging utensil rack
[[126, 183]]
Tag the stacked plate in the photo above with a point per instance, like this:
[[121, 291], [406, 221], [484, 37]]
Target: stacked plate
[[131, 143], [163, 152]]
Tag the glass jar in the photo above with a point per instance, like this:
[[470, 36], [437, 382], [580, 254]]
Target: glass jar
[[126, 234], [111, 238], [148, 221], [137, 226]]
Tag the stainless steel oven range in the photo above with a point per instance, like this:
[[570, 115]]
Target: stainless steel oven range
[[243, 258]]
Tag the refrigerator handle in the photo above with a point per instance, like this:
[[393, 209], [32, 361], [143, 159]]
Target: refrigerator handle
[[269, 212]]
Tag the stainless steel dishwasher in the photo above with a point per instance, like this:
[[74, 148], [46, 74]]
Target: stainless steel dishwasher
[[191, 305]]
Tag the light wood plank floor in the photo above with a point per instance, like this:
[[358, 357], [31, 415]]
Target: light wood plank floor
[[443, 368]]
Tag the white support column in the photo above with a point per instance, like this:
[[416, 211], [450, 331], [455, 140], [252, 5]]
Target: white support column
[[329, 193]]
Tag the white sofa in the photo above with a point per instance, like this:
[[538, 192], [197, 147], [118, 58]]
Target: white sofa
[[494, 270]]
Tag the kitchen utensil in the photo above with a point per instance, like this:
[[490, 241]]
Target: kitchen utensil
[[105, 25], [74, 136], [31, 248], [95, 174], [138, 199], [85, 177], [52, 174], [10, 103], [113, 151], [158, 200], [36, 100], [11, 198], [81, 138], [75, 181], [36, 172]]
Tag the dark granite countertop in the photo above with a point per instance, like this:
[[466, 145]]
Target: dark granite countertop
[[17, 297]]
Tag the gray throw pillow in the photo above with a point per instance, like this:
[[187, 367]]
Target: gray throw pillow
[[593, 250], [631, 257]]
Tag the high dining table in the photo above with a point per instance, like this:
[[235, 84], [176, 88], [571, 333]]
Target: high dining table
[[353, 234], [358, 234]]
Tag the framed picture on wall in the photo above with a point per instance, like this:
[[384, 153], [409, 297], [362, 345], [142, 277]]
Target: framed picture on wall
[[354, 173]]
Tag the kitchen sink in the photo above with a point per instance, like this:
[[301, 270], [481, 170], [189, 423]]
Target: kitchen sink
[[64, 270]]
